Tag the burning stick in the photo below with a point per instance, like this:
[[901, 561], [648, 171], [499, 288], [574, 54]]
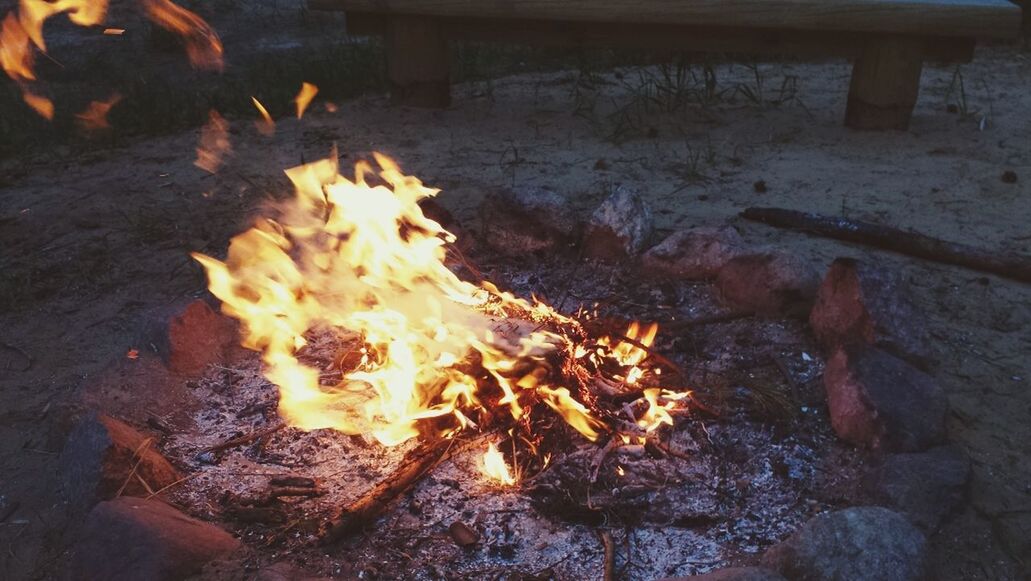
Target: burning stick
[[375, 502]]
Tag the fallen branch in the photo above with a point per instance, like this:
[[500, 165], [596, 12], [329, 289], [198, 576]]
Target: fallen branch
[[375, 502], [1012, 266], [609, 567], [245, 439]]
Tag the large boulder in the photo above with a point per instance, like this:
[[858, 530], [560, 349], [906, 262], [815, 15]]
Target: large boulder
[[104, 457], [527, 221], [860, 303], [694, 253], [133, 538], [733, 574], [619, 227], [855, 544], [881, 402], [925, 486], [767, 283]]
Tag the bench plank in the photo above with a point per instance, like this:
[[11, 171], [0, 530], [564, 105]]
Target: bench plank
[[955, 18]]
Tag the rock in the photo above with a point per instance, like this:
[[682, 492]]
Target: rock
[[192, 339], [98, 459], [527, 221], [925, 486], [734, 574], [855, 544], [767, 283], [881, 402], [462, 535], [620, 227], [862, 303], [695, 253], [132, 538]]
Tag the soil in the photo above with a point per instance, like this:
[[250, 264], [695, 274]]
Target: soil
[[96, 240]]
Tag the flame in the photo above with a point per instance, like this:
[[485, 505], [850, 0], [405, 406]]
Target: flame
[[359, 261], [95, 115], [266, 126], [203, 47], [15, 52], [657, 413], [308, 92], [494, 466], [39, 104], [214, 143]]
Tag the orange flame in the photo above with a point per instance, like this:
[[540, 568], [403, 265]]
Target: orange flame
[[214, 143], [494, 466], [203, 47], [308, 92], [95, 115], [266, 126], [15, 52]]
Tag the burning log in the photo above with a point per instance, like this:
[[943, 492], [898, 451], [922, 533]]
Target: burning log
[[1012, 266]]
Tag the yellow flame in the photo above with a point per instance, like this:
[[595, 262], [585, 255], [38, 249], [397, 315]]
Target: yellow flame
[[266, 126], [214, 143], [308, 92], [494, 466], [657, 413], [203, 47]]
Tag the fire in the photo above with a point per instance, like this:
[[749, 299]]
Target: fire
[[95, 115], [308, 92], [203, 47], [266, 126], [214, 143], [494, 466], [359, 261]]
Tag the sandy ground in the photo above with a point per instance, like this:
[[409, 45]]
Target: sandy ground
[[95, 240]]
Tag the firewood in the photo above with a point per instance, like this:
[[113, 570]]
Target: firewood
[[1012, 266], [375, 502]]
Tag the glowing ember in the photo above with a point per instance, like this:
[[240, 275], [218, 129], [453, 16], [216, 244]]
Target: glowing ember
[[494, 466], [359, 261], [308, 92]]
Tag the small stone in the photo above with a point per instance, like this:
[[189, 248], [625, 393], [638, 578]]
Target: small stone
[[860, 303], [192, 339], [620, 227], [1009, 177], [463, 535], [733, 574], [924, 486], [855, 544], [694, 253], [767, 283], [527, 221], [98, 459], [133, 538], [881, 402]]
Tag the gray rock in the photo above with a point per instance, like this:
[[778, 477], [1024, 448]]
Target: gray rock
[[193, 338], [862, 303], [98, 459], [734, 574], [767, 283], [132, 539], [620, 227], [925, 486], [855, 544], [527, 221], [881, 402], [694, 253]]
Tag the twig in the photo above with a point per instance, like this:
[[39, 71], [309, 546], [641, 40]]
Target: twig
[[599, 457], [702, 321], [138, 454], [609, 567], [176, 483], [245, 439]]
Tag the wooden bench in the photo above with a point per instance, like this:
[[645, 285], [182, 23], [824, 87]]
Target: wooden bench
[[888, 40]]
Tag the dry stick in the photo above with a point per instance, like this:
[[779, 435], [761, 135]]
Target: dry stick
[[245, 439], [609, 569], [702, 321], [375, 502], [1012, 266], [138, 454]]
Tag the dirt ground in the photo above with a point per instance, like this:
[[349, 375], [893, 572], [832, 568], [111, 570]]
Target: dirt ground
[[95, 240]]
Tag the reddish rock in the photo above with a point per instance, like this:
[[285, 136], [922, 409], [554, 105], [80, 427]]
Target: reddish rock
[[194, 338], [925, 487], [528, 221], [862, 303], [855, 544], [132, 538], [767, 283], [695, 253], [98, 461], [879, 401], [620, 227]]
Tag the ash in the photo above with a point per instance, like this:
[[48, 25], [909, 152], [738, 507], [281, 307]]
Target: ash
[[728, 482]]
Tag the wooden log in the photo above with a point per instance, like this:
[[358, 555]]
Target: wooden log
[[885, 84], [418, 62], [955, 18], [375, 502], [1015, 267]]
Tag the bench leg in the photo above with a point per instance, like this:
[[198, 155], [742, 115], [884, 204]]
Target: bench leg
[[885, 84], [418, 62]]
